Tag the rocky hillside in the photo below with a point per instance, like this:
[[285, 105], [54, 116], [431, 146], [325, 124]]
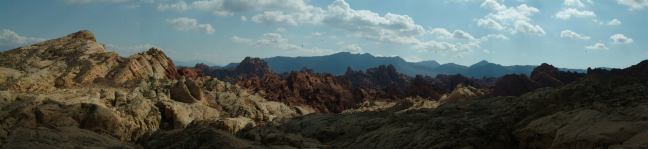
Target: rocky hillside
[[605, 109], [544, 75], [329, 93], [70, 92]]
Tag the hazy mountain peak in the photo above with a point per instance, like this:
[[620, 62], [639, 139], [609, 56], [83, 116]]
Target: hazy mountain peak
[[482, 63]]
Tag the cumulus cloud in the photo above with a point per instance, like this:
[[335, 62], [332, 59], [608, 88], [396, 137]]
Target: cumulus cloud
[[290, 18], [614, 22], [620, 38], [511, 19], [443, 33], [353, 48], [389, 27], [576, 3], [190, 24], [230, 7], [528, 28], [366, 24], [125, 3], [237, 39], [10, 39], [573, 35], [597, 46], [634, 4], [178, 6], [568, 13], [490, 24], [493, 4], [392, 28]]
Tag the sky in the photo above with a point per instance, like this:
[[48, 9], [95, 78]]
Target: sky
[[569, 33]]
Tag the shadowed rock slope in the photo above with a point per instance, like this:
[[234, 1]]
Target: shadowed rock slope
[[604, 109]]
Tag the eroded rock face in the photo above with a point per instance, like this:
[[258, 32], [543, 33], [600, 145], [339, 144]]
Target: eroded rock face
[[150, 64], [72, 90], [77, 59], [190, 73]]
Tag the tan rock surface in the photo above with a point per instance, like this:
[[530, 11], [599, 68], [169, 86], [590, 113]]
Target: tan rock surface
[[72, 90]]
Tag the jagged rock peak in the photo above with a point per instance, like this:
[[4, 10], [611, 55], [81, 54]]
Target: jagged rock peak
[[251, 65], [83, 35], [154, 51], [545, 69]]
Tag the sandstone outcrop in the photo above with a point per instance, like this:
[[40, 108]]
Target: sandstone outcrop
[[77, 59], [71, 90]]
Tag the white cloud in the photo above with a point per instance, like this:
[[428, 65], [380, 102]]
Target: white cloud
[[124, 3], [568, 13], [10, 39], [389, 27], [386, 28], [291, 18], [634, 4], [493, 36], [244, 18], [511, 19], [614, 22], [353, 48], [443, 33], [573, 35], [190, 24], [230, 7], [178, 7], [620, 38], [576, 3], [522, 26], [364, 23], [318, 33], [597, 46], [237, 39], [493, 5], [490, 24]]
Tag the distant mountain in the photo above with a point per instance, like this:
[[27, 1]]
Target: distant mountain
[[191, 63], [338, 62], [430, 64], [335, 63]]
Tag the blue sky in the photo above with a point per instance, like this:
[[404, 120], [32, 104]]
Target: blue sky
[[569, 33]]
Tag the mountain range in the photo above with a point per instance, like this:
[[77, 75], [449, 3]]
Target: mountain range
[[337, 64]]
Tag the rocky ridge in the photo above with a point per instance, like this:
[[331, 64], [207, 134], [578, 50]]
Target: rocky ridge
[[72, 90], [330, 93]]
